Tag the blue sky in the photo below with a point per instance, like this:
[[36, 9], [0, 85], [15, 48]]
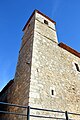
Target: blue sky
[[13, 16]]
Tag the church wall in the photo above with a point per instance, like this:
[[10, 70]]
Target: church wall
[[53, 70], [47, 76]]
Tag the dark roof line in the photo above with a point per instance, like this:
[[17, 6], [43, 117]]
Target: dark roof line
[[39, 13], [69, 49], [7, 86]]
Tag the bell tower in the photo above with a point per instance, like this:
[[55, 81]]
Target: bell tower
[[47, 73], [39, 33]]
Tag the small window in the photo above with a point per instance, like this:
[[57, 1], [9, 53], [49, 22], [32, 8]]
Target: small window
[[46, 22], [77, 67], [52, 92]]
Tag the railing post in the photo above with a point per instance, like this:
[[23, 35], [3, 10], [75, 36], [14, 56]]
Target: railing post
[[28, 113], [66, 114]]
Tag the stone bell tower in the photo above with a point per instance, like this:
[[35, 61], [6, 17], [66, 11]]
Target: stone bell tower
[[47, 73], [37, 42]]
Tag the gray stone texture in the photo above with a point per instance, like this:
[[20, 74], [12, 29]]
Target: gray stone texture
[[43, 66]]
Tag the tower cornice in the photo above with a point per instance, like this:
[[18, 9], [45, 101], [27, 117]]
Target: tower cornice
[[40, 14]]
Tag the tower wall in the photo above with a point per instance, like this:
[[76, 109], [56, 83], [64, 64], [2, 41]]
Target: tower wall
[[23, 70], [47, 76], [19, 92], [53, 70]]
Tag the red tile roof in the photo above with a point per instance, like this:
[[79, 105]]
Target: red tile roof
[[69, 49]]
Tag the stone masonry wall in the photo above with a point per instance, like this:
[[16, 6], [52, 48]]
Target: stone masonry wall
[[53, 68], [20, 90], [5, 96], [46, 75], [23, 70]]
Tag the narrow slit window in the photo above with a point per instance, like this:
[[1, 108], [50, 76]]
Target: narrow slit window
[[52, 92], [77, 67], [46, 22]]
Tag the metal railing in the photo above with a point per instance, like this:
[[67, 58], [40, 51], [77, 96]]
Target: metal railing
[[28, 114]]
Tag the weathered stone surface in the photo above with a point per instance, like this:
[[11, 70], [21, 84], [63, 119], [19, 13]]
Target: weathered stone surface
[[46, 75]]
